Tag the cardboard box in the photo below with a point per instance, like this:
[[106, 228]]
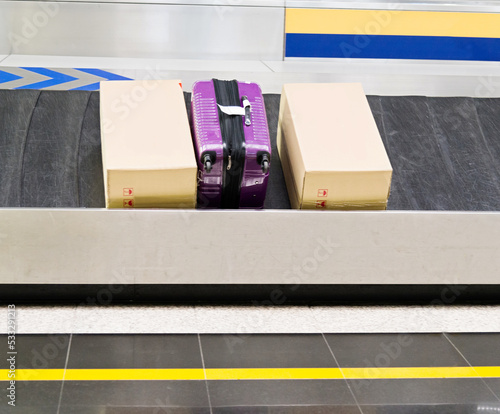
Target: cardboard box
[[147, 150], [330, 148]]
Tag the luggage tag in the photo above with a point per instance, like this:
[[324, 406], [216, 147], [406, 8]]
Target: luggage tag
[[244, 110]]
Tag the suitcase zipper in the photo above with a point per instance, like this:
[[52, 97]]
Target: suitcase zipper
[[233, 142]]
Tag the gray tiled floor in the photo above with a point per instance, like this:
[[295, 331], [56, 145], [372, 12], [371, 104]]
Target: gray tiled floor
[[39, 351], [478, 349], [252, 351], [308, 409], [494, 384], [135, 351], [488, 408], [133, 394], [119, 409], [32, 397], [375, 396], [279, 392], [394, 350], [422, 391]]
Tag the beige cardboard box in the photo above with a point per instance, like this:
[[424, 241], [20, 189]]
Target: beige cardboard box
[[330, 148], [147, 150]]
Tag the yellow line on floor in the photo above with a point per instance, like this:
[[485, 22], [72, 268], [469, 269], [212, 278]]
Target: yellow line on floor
[[410, 372], [273, 373], [133, 374], [249, 374], [488, 372], [33, 375]]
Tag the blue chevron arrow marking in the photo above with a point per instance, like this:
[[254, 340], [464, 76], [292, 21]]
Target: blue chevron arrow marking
[[57, 78], [103, 74], [91, 87], [8, 77]]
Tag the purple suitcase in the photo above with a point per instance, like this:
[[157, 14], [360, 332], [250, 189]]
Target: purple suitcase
[[232, 145]]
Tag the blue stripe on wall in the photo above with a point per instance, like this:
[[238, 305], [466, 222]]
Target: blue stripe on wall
[[391, 47]]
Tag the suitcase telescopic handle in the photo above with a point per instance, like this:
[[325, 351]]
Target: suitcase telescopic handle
[[248, 112]]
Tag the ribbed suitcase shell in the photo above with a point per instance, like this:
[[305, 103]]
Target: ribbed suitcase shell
[[208, 138]]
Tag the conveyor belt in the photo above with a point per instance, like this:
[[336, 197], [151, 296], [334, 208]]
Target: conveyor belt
[[445, 151]]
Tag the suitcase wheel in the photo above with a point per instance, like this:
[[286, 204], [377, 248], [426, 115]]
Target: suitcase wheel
[[263, 159], [208, 159]]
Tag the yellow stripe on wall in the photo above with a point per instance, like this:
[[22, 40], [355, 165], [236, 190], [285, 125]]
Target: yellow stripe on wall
[[392, 22], [249, 374]]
